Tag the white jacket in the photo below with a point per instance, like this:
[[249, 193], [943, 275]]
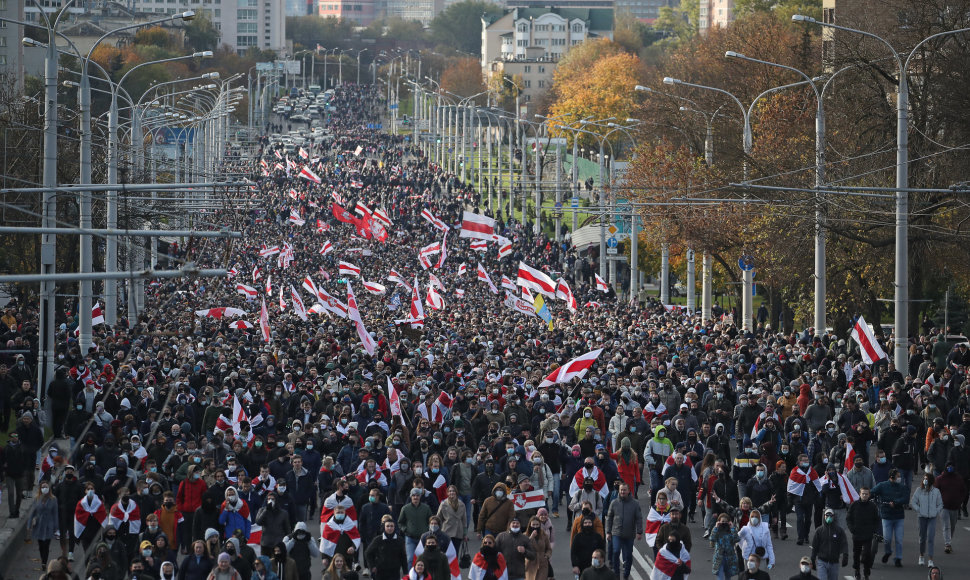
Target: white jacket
[[927, 503], [754, 537]]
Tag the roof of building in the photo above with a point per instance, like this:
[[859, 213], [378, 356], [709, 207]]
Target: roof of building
[[596, 18]]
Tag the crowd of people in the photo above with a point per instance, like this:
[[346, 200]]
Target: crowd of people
[[386, 440]]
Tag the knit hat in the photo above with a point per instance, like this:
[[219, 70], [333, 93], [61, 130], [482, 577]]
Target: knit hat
[[211, 532], [779, 464], [224, 556]]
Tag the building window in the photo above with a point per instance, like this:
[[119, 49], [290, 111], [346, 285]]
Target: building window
[[3, 60], [247, 28], [542, 85], [828, 15], [523, 28], [528, 68], [3, 41], [527, 83], [247, 14], [577, 27], [244, 42], [522, 43], [542, 69]]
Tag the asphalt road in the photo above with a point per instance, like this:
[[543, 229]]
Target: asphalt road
[[954, 565]]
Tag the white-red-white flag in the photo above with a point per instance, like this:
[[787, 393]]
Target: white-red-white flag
[[381, 216], [327, 248], [264, 320], [348, 269], [601, 284], [307, 173], [247, 291], [220, 312], [298, 306], [434, 299], [267, 252], [477, 226], [240, 324], [573, 369], [479, 245], [295, 218], [269, 284], [97, 314], [393, 399], [868, 345], [535, 280], [563, 292], [483, 275], [374, 287], [426, 214], [461, 269], [508, 284], [353, 314], [417, 309]]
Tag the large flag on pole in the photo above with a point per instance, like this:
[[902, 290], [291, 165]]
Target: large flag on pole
[[533, 279], [264, 320], [477, 226], [573, 369], [354, 315], [862, 334]]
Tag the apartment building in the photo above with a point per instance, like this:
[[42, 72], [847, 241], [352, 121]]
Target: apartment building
[[242, 24]]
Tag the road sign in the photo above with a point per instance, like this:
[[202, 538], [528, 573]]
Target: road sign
[[558, 205], [610, 251], [623, 257], [746, 262], [612, 229], [612, 243], [575, 202]]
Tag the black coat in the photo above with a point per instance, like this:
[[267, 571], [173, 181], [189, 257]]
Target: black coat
[[16, 460], [387, 557]]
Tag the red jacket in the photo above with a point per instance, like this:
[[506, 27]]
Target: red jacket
[[189, 496], [629, 472]]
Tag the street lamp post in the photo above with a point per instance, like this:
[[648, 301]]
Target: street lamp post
[[747, 276], [111, 247], [362, 51], [901, 298]]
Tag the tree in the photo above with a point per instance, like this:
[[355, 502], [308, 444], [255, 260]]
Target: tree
[[678, 24], [604, 91], [464, 77], [155, 36], [201, 34], [460, 25]]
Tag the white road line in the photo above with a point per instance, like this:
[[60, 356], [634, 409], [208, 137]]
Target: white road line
[[644, 561]]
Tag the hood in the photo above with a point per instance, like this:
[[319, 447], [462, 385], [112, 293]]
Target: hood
[[501, 486], [267, 563], [300, 527], [658, 429], [235, 542], [805, 389], [230, 488], [590, 409]]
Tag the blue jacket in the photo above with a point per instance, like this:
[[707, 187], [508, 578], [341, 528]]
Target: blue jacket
[[889, 491]]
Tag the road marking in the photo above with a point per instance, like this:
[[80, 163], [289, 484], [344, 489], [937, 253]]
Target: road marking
[[644, 561]]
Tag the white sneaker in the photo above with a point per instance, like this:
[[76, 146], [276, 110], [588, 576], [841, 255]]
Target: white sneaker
[[930, 563], [921, 561]]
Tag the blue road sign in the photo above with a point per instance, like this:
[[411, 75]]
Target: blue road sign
[[611, 242]]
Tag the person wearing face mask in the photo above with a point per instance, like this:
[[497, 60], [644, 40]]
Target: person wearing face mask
[[752, 569], [720, 443], [829, 542], [655, 455], [89, 516], [953, 490], [804, 488], [939, 450], [744, 468], [724, 539], [672, 560], [413, 520], [43, 520], [892, 497], [234, 513], [804, 570], [274, 521], [496, 512], [927, 502], [586, 420], [517, 547], [340, 536], [756, 539]]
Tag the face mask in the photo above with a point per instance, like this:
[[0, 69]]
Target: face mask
[[804, 465], [805, 568], [372, 499], [90, 494], [515, 529], [146, 553], [829, 520], [760, 474], [434, 528], [587, 415], [499, 493], [881, 460], [339, 517], [596, 562], [752, 566], [898, 480], [755, 522], [470, 461], [281, 488]]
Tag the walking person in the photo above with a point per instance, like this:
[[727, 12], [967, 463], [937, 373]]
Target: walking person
[[927, 503], [864, 525], [43, 521], [893, 497], [952, 489], [828, 543], [624, 524], [18, 465], [756, 539], [724, 537]]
